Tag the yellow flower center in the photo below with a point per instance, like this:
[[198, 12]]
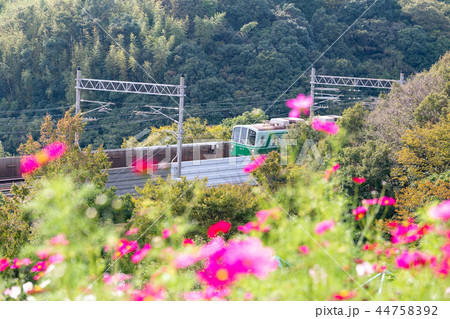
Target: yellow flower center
[[222, 274], [42, 158]]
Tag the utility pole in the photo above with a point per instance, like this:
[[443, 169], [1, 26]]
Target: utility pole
[[313, 77], [77, 98], [180, 127]]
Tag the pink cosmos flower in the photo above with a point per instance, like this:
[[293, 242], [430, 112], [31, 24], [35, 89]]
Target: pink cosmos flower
[[211, 248], [344, 295], [40, 266], [359, 212], [247, 228], [331, 171], [193, 296], [304, 250], [150, 293], [118, 280], [166, 233], [222, 226], [143, 167], [370, 202], [327, 127], [442, 268], [54, 150], [124, 247], [4, 263], [322, 227], [132, 231], [407, 233], [408, 259], [43, 254], [442, 211], [29, 164], [386, 201], [263, 215], [236, 259], [55, 259], [17, 263], [364, 269], [59, 240], [253, 166], [359, 180], [188, 241], [140, 254], [301, 104], [185, 260], [210, 293]]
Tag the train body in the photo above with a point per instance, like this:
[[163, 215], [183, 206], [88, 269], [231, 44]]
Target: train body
[[263, 138]]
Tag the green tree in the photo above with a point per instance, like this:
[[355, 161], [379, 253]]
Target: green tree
[[83, 165]]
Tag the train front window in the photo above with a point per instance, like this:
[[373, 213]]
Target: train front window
[[243, 138], [236, 132], [251, 137]]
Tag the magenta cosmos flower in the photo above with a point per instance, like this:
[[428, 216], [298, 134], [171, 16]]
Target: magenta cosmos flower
[[322, 227], [236, 259], [220, 227], [55, 150], [304, 250], [124, 247], [344, 295], [166, 233], [39, 267], [301, 104], [188, 241], [17, 263], [359, 180], [141, 253], [408, 259], [4, 263], [150, 293], [253, 166], [387, 201], [132, 231], [29, 164], [407, 233], [359, 212], [442, 211], [327, 127]]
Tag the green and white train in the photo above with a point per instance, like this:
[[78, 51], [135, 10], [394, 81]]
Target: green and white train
[[263, 138]]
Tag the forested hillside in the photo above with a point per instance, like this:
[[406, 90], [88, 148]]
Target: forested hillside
[[236, 54]]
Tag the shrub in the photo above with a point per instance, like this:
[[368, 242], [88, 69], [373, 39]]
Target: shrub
[[201, 205]]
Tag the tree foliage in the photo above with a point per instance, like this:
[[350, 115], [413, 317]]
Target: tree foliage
[[229, 53], [82, 165]]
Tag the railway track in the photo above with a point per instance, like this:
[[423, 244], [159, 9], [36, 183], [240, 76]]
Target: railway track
[[122, 159]]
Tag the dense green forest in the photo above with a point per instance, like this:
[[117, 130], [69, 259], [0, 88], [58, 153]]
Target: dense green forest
[[236, 54]]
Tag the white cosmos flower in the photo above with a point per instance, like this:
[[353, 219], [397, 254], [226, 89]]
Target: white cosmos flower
[[27, 287]]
